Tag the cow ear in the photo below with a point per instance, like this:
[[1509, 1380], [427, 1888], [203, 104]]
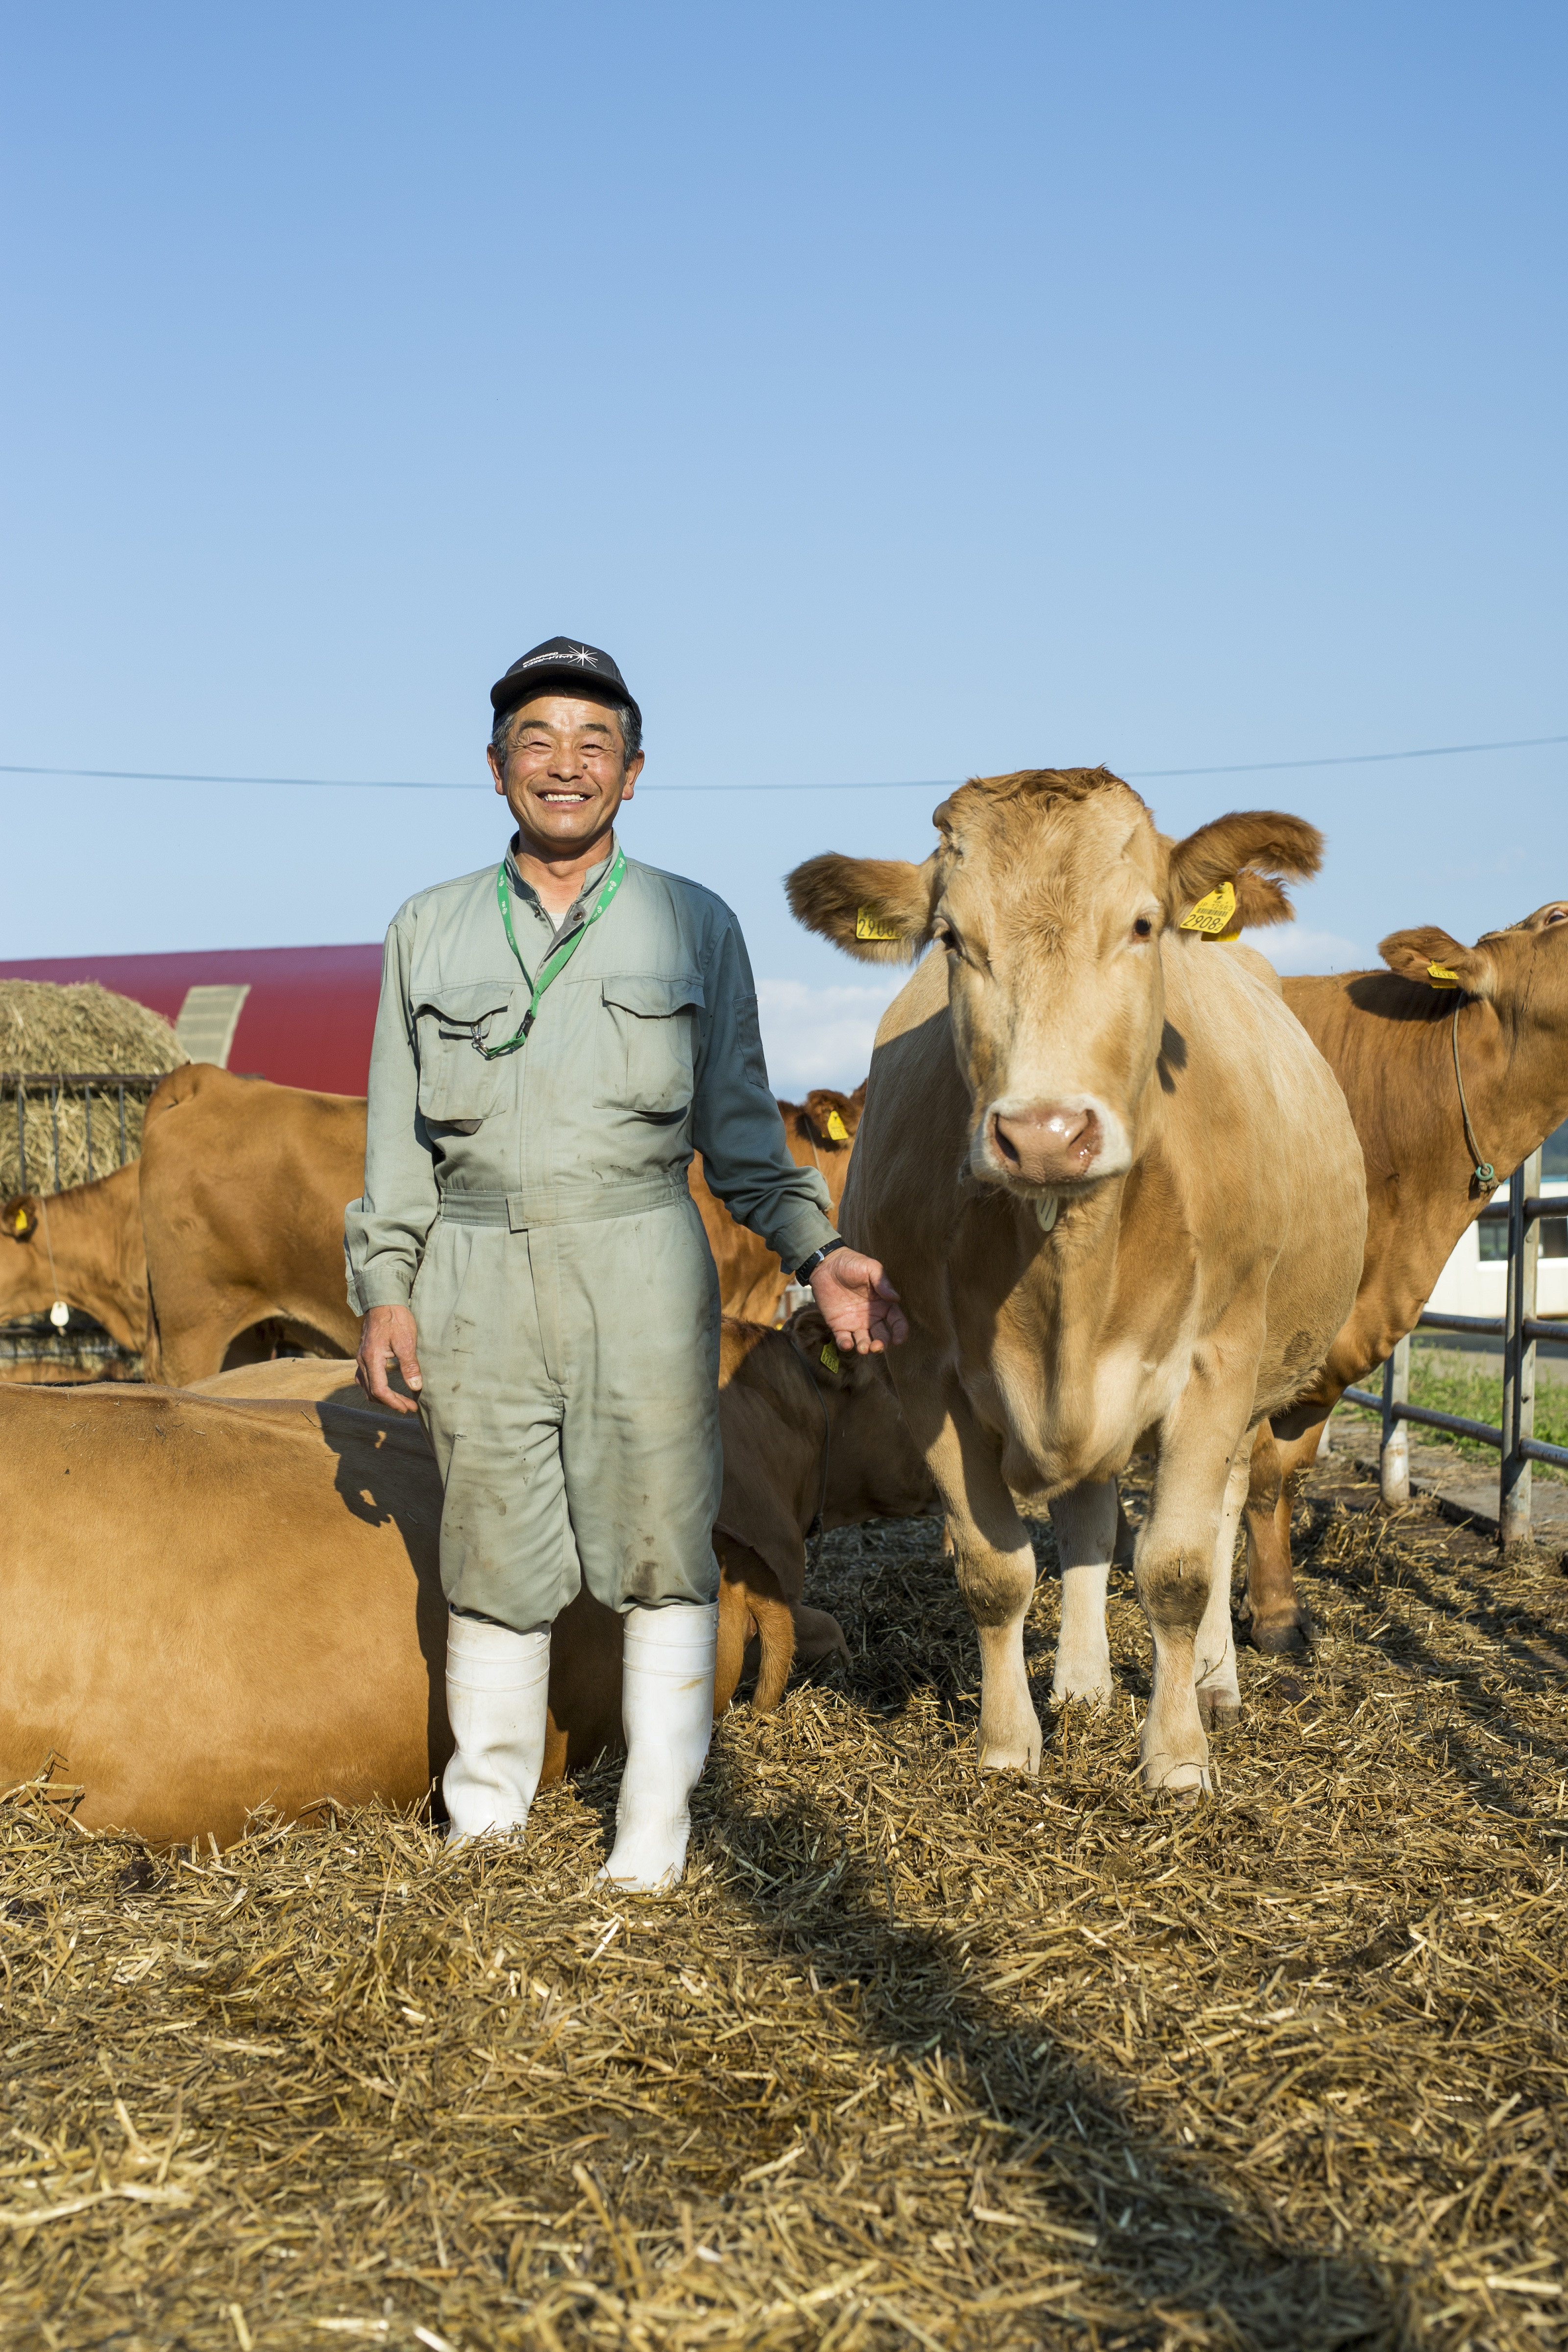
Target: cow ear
[[1430, 955], [1258, 901], [879, 908], [1251, 848], [829, 1364], [19, 1218]]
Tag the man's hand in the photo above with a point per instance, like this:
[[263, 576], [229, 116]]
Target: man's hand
[[387, 1336], [858, 1303]]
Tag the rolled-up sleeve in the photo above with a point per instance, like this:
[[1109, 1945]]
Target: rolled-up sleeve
[[735, 1122], [385, 1232]]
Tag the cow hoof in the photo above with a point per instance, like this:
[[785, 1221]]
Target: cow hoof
[[995, 1758], [1219, 1711], [1290, 1640], [1182, 1783], [1085, 1693]]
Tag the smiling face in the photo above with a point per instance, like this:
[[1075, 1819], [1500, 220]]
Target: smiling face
[[565, 773]]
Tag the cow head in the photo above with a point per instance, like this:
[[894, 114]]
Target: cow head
[[1528, 961], [19, 1218], [1521, 972], [828, 1119], [874, 1468], [1049, 893]]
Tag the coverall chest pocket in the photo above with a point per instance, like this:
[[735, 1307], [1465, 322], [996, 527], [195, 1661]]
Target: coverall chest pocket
[[647, 1045], [459, 1089]]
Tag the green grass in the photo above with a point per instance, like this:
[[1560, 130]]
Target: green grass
[[1448, 1382]]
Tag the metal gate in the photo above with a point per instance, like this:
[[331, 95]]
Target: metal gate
[[1518, 1329]]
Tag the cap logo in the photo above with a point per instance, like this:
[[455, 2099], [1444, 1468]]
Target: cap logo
[[573, 653]]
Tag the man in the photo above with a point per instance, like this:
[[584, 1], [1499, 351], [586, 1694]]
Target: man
[[555, 1037]]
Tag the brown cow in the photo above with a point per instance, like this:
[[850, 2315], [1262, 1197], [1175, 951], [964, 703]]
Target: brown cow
[[84, 1246], [244, 1186], [1121, 1198], [215, 1602], [1389, 1037], [820, 1133]]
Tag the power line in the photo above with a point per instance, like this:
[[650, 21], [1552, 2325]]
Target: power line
[[1354, 759], [902, 784]]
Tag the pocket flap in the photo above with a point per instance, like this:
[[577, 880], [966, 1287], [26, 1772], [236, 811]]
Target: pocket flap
[[458, 1005], [652, 995]]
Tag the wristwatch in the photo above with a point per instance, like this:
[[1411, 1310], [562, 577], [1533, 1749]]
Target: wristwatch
[[804, 1273]]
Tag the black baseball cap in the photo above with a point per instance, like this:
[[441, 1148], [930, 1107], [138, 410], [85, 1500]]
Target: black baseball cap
[[561, 663]]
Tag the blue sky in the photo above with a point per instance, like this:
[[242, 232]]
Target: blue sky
[[899, 393]]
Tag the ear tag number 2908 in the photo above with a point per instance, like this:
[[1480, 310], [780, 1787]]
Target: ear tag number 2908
[[1213, 915], [869, 925]]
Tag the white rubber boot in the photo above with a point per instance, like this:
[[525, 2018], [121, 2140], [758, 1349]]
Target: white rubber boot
[[667, 1709], [497, 1686]]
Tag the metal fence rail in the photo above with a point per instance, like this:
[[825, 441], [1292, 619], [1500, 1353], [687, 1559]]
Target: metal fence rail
[[1518, 1330]]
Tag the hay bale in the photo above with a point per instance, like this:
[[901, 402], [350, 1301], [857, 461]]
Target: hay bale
[[81, 1028]]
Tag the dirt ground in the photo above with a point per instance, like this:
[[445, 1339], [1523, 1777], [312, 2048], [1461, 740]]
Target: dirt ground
[[914, 2058]]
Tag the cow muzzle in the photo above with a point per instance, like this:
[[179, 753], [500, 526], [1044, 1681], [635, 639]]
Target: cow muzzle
[[1045, 1146]]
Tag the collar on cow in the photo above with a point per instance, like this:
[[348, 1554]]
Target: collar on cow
[[814, 1532], [1484, 1173], [560, 956]]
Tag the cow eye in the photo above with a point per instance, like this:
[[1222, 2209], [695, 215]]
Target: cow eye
[[1142, 928], [1558, 914]]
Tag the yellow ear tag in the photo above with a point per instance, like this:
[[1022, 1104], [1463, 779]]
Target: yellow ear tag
[[1441, 977], [21, 1220], [870, 926], [830, 1356], [837, 1131], [1213, 915]]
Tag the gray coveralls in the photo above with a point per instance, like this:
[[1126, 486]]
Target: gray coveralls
[[534, 1213]]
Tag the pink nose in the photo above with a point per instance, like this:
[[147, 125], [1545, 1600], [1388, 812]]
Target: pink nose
[[1048, 1144]]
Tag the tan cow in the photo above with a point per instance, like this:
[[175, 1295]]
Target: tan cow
[[215, 1602], [1121, 1198], [1390, 1039], [820, 1133], [84, 1246], [244, 1186]]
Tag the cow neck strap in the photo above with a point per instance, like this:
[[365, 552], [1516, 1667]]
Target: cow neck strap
[[556, 961], [814, 1532], [1484, 1173]]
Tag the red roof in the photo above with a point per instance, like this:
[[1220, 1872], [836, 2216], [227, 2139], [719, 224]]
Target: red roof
[[306, 1022]]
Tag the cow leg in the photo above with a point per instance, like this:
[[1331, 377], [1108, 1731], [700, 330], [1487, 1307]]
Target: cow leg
[[1085, 1519], [995, 1560], [749, 1596], [1174, 1573], [1213, 1664], [1278, 1620]]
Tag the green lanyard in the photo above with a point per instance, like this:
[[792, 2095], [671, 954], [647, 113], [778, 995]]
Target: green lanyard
[[558, 958]]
